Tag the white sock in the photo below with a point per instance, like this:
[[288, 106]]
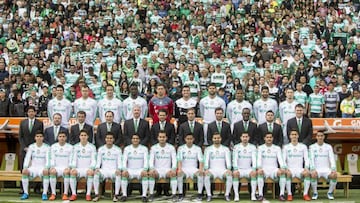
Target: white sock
[[288, 186], [260, 180], [314, 185], [46, 182], [124, 185], [89, 184], [180, 182], [282, 183], [200, 182], [53, 184], [117, 184], [145, 185], [25, 183], [73, 184], [151, 185], [253, 184], [96, 183], [228, 185], [66, 184], [207, 184], [236, 187], [306, 185], [173, 184], [332, 185]]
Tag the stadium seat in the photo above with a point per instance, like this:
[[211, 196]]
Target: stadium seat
[[9, 162], [352, 164]]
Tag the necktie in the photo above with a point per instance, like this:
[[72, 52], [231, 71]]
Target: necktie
[[109, 127], [56, 131], [191, 126], [136, 125], [246, 126], [81, 126], [162, 125], [30, 125], [270, 128], [219, 126], [299, 125]]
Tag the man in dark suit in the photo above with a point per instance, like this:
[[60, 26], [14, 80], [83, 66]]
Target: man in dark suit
[[221, 127], [245, 126], [302, 123], [136, 126], [191, 127], [163, 125], [108, 126], [81, 125], [272, 127], [51, 133]]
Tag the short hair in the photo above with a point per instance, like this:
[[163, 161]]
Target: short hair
[[216, 133], [294, 130], [39, 132], [163, 110], [110, 133], [112, 113], [162, 132], [109, 85], [264, 88], [160, 85], [30, 107], [299, 106], [212, 85], [81, 112], [270, 111], [84, 131], [189, 134], [219, 109], [57, 114], [60, 86], [191, 109], [135, 134], [62, 132]]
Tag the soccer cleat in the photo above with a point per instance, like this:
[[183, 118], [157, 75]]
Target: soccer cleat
[[144, 199], [44, 197], [253, 198], [199, 197], [330, 196], [236, 199], [260, 198], [181, 197], [115, 198], [227, 198], [314, 196], [307, 198], [282, 198], [208, 198], [24, 196], [96, 198], [174, 198], [289, 198], [65, 197], [52, 197], [73, 198], [151, 198], [88, 197], [123, 198]]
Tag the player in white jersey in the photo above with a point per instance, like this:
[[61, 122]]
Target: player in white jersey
[[207, 107], [322, 164], [83, 163], [60, 105], [86, 104], [268, 161], [263, 105], [190, 165], [135, 165], [108, 166], [217, 164], [296, 159], [244, 165], [235, 107], [60, 154], [134, 100], [36, 164], [110, 103], [286, 111], [162, 164]]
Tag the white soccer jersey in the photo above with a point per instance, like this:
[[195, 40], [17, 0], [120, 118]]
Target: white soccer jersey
[[287, 111], [88, 105], [261, 107], [296, 156], [219, 79], [135, 158], [114, 105], [84, 156], [162, 157], [217, 158], [63, 107], [244, 157], [128, 105], [269, 157], [190, 157], [322, 157], [37, 156], [194, 87], [109, 158], [208, 106], [234, 110], [61, 155]]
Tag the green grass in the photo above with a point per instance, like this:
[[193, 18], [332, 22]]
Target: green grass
[[12, 196]]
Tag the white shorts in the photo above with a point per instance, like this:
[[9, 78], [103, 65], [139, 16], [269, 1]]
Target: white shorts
[[35, 172], [60, 171], [216, 173], [189, 172], [296, 172], [270, 173], [162, 172], [245, 172], [107, 173], [135, 173], [323, 172], [82, 172]]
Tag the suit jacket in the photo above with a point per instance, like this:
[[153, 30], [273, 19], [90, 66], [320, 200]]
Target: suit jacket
[[239, 129], [75, 132], [27, 137], [198, 133], [143, 131], [170, 132], [225, 133], [277, 133], [101, 133], [305, 135], [49, 134]]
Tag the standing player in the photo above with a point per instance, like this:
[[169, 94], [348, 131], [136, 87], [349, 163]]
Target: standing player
[[135, 165], [134, 100], [296, 159], [108, 165], [235, 108], [269, 159], [83, 163], [217, 164], [322, 164], [244, 165], [60, 105], [110, 103], [36, 164], [162, 164], [160, 101], [60, 154], [286, 111], [263, 105], [86, 104], [190, 165], [183, 104]]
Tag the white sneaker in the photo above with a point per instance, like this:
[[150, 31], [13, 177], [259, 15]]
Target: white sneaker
[[253, 198], [314, 196], [236, 199], [330, 196]]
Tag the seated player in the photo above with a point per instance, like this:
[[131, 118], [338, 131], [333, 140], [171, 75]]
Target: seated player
[[162, 164], [135, 165], [60, 154], [190, 165], [296, 158], [82, 165], [217, 164], [244, 165], [36, 164], [322, 164], [268, 161], [108, 165]]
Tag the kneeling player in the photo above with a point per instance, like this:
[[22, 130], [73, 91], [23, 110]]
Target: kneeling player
[[244, 165], [217, 164], [268, 160], [135, 166], [296, 159], [190, 165], [322, 164]]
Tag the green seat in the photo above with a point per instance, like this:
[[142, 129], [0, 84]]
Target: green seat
[[338, 164], [352, 164]]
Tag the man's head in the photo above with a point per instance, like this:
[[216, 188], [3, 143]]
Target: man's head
[[299, 110], [190, 114], [186, 91], [135, 139], [31, 112], [269, 116], [109, 138], [59, 91], [136, 111], [39, 137], [320, 137], [84, 136], [109, 91], [245, 138], [85, 91], [294, 136], [289, 93], [81, 116], [162, 137], [246, 114], [268, 138], [239, 95], [189, 139], [134, 91], [109, 116], [57, 119], [212, 89], [216, 138], [160, 90], [265, 92], [219, 114], [162, 114], [62, 137]]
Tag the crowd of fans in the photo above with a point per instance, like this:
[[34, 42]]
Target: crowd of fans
[[309, 46]]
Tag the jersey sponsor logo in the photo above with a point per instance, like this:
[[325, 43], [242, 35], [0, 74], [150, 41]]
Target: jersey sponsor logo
[[268, 151], [83, 151], [38, 151], [135, 152]]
